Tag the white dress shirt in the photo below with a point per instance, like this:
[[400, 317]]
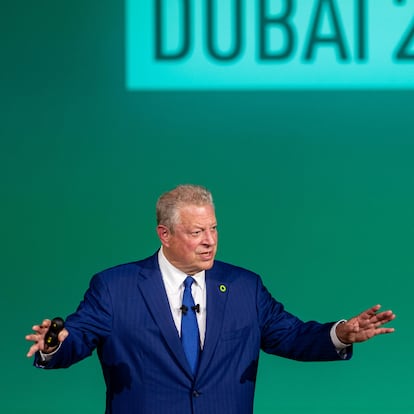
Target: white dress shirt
[[173, 279]]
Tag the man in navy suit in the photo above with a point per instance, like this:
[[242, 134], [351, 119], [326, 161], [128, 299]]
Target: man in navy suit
[[133, 314]]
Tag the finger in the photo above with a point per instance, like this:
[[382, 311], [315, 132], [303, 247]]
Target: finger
[[43, 327], [63, 334], [381, 331], [45, 324], [32, 337], [33, 349], [373, 310], [39, 330], [389, 314], [36, 328], [368, 314], [370, 317], [384, 317]]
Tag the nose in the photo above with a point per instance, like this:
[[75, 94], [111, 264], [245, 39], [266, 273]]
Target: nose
[[210, 237]]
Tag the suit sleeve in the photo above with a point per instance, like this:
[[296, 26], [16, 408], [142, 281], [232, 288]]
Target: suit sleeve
[[288, 336], [87, 327]]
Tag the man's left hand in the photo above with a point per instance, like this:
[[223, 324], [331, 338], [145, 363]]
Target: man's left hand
[[365, 326]]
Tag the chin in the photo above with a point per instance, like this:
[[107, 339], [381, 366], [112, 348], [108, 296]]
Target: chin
[[208, 265]]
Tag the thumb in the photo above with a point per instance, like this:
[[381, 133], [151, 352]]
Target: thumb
[[63, 334]]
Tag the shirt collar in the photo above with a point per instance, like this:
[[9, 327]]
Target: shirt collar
[[173, 277]]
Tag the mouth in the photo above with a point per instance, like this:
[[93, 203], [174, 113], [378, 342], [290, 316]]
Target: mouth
[[207, 255]]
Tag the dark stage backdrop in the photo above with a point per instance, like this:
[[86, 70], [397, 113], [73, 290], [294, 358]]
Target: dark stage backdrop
[[314, 191]]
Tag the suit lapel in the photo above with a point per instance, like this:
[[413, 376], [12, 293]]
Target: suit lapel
[[217, 284], [153, 291]]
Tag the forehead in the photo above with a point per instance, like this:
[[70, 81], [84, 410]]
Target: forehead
[[197, 215]]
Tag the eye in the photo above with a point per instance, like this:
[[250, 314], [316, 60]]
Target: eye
[[196, 233]]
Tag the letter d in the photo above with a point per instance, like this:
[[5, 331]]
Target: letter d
[[160, 52]]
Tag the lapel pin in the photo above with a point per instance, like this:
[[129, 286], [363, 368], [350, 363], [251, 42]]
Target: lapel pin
[[223, 288]]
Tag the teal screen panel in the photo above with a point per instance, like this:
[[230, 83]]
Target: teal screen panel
[[268, 44]]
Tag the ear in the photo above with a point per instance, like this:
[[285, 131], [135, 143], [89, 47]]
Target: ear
[[163, 234]]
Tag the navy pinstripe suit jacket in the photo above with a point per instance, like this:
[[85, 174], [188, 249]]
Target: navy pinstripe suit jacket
[[125, 315]]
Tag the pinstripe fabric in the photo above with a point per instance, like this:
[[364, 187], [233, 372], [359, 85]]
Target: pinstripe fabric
[[125, 315]]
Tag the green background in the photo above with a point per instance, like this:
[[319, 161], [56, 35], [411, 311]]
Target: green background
[[314, 191]]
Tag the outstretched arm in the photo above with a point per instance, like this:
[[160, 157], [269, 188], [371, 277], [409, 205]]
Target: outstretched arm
[[365, 326]]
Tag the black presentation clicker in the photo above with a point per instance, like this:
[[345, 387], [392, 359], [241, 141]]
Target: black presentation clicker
[[51, 337]]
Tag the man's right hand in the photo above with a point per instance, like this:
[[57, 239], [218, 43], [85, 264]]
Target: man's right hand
[[38, 337]]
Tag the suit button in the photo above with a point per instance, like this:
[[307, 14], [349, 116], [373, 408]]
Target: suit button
[[196, 394]]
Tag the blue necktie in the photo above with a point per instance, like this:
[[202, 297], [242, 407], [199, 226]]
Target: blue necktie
[[190, 337]]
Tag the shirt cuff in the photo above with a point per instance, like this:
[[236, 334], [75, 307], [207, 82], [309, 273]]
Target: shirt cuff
[[47, 357], [339, 345]]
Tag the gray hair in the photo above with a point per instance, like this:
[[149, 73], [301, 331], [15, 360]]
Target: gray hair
[[169, 203]]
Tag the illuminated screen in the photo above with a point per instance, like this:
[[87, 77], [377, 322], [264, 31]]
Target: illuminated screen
[[235, 44]]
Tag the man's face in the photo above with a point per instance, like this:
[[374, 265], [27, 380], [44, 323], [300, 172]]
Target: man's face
[[192, 245]]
